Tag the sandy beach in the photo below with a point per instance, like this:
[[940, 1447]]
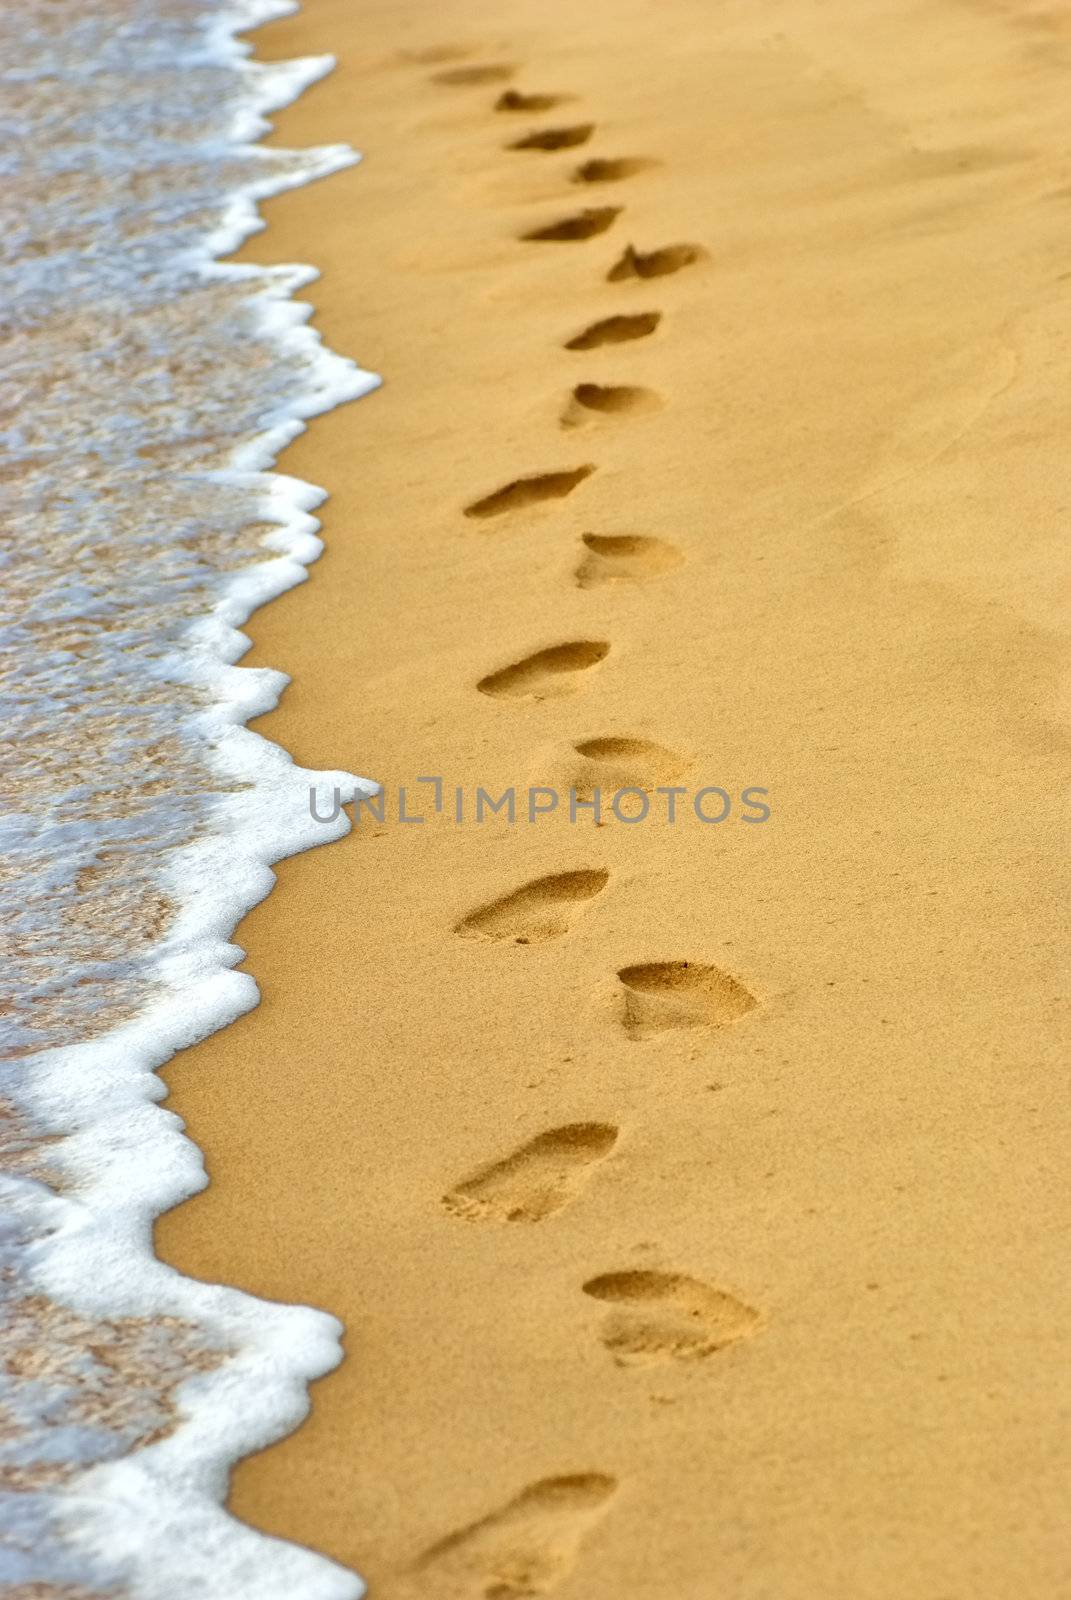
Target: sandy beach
[[690, 1190]]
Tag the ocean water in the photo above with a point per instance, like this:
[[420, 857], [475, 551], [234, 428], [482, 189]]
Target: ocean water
[[147, 390]]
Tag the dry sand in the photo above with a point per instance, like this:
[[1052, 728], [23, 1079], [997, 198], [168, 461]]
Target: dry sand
[[742, 1282]]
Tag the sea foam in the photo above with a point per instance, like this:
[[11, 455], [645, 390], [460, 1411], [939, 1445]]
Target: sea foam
[[148, 390]]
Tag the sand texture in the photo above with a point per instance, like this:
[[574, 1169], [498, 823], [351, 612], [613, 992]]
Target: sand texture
[[692, 1193]]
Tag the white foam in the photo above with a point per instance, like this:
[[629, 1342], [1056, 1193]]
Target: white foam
[[150, 1520]]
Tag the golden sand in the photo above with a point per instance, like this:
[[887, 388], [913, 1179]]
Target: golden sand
[[690, 1193]]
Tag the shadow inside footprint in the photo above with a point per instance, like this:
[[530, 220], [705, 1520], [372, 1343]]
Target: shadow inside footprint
[[541, 910], [555, 138], [665, 1316], [607, 400], [601, 170], [661, 995], [624, 557], [514, 100], [461, 76], [528, 492], [615, 763], [535, 1181], [435, 55], [584, 225], [526, 1548], [615, 330], [548, 672], [655, 264]]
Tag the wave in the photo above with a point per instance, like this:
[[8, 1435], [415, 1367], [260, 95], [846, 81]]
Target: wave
[[149, 390]]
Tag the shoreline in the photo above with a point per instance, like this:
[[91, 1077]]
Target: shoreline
[[687, 1192], [150, 388]]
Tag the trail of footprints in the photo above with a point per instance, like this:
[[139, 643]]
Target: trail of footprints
[[529, 1544]]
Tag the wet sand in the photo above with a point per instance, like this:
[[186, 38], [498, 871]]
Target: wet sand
[[690, 1192]]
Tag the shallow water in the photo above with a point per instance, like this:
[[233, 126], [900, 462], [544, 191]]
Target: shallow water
[[147, 391]]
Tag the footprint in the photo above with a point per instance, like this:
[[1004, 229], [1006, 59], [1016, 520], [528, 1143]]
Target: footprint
[[624, 557], [548, 672], [608, 765], [615, 330], [529, 492], [665, 1316], [615, 763], [473, 75], [607, 400], [660, 995], [543, 909], [555, 138], [513, 100], [435, 55], [536, 1180], [525, 1548], [584, 225], [656, 264], [600, 170]]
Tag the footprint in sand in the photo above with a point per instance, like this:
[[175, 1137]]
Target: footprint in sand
[[435, 55], [601, 170], [615, 330], [589, 401], [555, 138], [514, 100], [624, 557], [613, 763], [531, 491], [584, 225], [546, 673], [538, 1179], [526, 1548], [608, 764], [655, 264], [464, 76], [661, 995], [541, 910], [665, 1316]]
